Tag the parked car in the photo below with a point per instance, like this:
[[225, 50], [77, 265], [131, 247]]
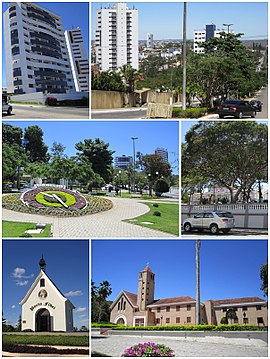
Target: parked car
[[215, 221], [6, 107], [257, 105], [236, 108]]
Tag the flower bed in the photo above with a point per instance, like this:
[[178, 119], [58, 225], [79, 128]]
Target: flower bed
[[94, 205], [148, 350]]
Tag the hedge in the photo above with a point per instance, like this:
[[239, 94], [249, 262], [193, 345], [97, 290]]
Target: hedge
[[201, 327], [189, 112]]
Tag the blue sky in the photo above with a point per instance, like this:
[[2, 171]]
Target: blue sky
[[151, 134], [164, 19], [229, 268], [74, 14], [67, 266]]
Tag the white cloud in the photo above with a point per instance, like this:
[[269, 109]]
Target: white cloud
[[81, 309], [18, 273], [13, 306], [74, 293], [21, 282]]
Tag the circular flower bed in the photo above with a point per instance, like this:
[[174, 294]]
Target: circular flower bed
[[84, 205], [149, 350]]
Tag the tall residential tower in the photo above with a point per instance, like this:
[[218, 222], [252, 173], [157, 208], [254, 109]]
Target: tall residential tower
[[117, 37], [36, 53]]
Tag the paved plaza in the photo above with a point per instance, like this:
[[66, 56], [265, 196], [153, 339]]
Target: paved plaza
[[115, 346], [108, 224]]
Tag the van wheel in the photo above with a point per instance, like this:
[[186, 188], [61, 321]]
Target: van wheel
[[253, 114], [214, 229], [187, 227], [9, 111], [240, 115], [221, 116]]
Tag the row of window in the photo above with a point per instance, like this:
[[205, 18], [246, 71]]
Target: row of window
[[177, 320], [177, 308], [244, 308]]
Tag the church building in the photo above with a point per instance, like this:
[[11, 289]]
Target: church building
[[44, 307], [142, 309]]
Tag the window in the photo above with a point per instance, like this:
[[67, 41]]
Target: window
[[167, 320], [245, 320], [258, 307], [235, 321], [168, 309], [260, 320], [188, 319], [124, 305], [42, 282], [158, 320], [158, 309], [31, 85], [244, 308], [188, 306], [118, 305], [178, 308], [224, 309], [177, 320]]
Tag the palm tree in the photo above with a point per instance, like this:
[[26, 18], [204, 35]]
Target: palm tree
[[104, 290], [130, 76], [231, 314]]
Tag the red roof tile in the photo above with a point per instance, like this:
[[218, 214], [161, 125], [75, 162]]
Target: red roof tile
[[132, 297], [147, 269], [173, 300]]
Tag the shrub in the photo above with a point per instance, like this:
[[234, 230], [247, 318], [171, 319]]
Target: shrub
[[148, 349], [26, 235], [157, 213], [161, 186], [223, 320], [189, 113], [155, 205]]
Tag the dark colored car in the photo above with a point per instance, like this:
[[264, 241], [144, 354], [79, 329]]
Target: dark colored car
[[257, 105], [236, 108]]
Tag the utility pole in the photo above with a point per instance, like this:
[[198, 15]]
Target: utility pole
[[134, 176], [198, 304], [184, 58]]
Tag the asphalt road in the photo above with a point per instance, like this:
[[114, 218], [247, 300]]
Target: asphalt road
[[43, 112], [234, 233], [124, 114]]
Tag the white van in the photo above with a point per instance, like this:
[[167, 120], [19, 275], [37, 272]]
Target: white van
[[6, 107]]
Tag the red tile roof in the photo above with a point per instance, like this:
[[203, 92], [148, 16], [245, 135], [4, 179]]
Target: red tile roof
[[238, 301], [175, 300], [132, 297], [147, 269]]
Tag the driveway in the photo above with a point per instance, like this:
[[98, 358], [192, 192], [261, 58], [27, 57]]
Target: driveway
[[108, 224]]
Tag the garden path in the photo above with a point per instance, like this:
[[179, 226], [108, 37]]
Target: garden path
[[108, 224]]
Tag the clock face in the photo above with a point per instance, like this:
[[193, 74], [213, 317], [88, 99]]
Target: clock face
[[42, 294], [55, 199]]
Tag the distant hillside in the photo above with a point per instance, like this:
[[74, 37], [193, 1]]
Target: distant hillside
[[249, 43]]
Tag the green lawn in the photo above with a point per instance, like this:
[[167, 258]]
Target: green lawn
[[167, 222], [17, 229], [82, 341]]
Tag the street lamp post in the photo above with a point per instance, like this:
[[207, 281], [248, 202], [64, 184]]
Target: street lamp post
[[198, 305], [184, 56], [120, 181], [149, 183], [134, 179], [228, 26]]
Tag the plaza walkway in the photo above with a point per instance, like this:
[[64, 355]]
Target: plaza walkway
[[106, 224], [115, 345]]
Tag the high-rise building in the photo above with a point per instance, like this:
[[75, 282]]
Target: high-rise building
[[162, 152], [36, 54], [123, 162], [150, 41], [117, 37], [78, 59], [200, 36]]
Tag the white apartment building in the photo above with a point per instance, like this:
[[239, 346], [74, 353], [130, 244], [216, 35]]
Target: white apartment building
[[36, 55], [78, 59], [117, 37], [200, 36], [162, 152]]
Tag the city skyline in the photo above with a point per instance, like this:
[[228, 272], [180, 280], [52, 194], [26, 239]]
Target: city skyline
[[21, 266], [229, 269], [66, 11], [199, 14], [151, 134]]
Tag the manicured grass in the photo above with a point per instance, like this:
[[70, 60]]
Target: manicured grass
[[17, 229], [80, 341], [167, 222], [135, 195], [97, 354]]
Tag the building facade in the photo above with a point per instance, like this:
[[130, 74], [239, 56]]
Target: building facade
[[200, 36], [150, 41], [36, 54], [123, 162], [162, 152], [78, 59], [142, 309], [117, 37], [44, 307]]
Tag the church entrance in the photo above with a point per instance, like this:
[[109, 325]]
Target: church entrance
[[43, 321], [120, 321]]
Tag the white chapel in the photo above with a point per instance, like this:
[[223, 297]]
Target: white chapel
[[44, 307]]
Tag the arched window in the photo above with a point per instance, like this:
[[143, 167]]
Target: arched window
[[118, 305], [42, 282], [125, 305]]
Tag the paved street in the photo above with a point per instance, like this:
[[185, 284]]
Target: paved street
[[43, 112], [106, 224], [115, 346], [125, 114], [233, 234]]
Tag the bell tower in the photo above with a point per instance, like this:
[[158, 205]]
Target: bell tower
[[42, 264], [146, 288]]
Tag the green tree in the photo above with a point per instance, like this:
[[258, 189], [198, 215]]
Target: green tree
[[19, 324], [12, 135], [102, 292], [161, 186], [130, 76], [35, 148], [231, 315], [264, 278], [98, 154], [231, 154]]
